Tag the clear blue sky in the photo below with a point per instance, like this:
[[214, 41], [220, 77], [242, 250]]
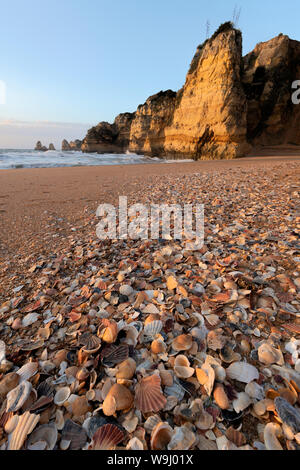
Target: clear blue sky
[[84, 61]]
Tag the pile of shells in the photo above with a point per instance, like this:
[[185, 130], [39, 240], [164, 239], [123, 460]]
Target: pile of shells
[[149, 345]]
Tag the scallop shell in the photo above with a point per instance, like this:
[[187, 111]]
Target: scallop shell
[[182, 439], [148, 395], [243, 372], [75, 434], [182, 343], [182, 367], [271, 433], [62, 396], [108, 331], [112, 355], [119, 398], [26, 424], [268, 355], [107, 437], [161, 436], [126, 369], [8, 383], [241, 402], [47, 433], [18, 396], [153, 328], [91, 344], [151, 423], [28, 371]]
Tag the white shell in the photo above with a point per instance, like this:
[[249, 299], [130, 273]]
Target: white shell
[[255, 391], [18, 396], [27, 371], [153, 328], [182, 439], [175, 391], [268, 355], [46, 433], [271, 432], [2, 351], [182, 367], [30, 319], [243, 372], [135, 444], [62, 395], [26, 424], [241, 402]]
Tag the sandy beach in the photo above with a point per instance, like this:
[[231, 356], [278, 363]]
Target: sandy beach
[[59, 283]]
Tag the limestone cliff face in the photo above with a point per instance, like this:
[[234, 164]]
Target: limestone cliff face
[[227, 105], [147, 133], [209, 121], [269, 72]]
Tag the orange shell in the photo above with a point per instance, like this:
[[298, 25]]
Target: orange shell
[[119, 398], [108, 331], [161, 436], [182, 343], [148, 395]]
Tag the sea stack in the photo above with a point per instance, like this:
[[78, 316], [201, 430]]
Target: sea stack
[[40, 147], [51, 147], [65, 146]]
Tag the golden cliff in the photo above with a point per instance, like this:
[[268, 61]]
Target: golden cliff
[[227, 104]]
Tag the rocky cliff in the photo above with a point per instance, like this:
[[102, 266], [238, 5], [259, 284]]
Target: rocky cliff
[[227, 104]]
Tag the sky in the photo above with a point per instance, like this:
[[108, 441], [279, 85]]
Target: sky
[[69, 64]]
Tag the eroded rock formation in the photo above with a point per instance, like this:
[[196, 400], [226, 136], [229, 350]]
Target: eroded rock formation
[[227, 105], [40, 147]]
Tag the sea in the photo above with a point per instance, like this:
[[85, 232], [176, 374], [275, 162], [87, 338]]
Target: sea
[[16, 158]]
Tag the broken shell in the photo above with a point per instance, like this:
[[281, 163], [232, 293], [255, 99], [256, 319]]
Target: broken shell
[[126, 290], [135, 444], [18, 396], [75, 434], [255, 391], [47, 433], [108, 331], [182, 343], [151, 318], [161, 436], [62, 395], [158, 346], [119, 398], [27, 371], [166, 378], [271, 433], [220, 397], [11, 424], [112, 354], [228, 355], [126, 369], [182, 367], [182, 439], [206, 377], [8, 383], [151, 423], [26, 424], [269, 355], [288, 414], [241, 402], [80, 406], [175, 390], [243, 372], [148, 395], [91, 344], [82, 374], [107, 437]]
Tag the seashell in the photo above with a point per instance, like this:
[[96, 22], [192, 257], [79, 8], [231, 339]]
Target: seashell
[[107, 437], [289, 395], [27, 371], [161, 436], [59, 357], [288, 414], [126, 290], [236, 437], [154, 328], [255, 391], [30, 319], [59, 419], [11, 424], [206, 377], [91, 344], [220, 397], [166, 378], [151, 423], [75, 434], [228, 355], [241, 402], [126, 369], [47, 434], [215, 340], [45, 389], [268, 355], [130, 422], [182, 343], [108, 331], [171, 283], [18, 396], [182, 439], [271, 433], [135, 444], [112, 355], [82, 374], [243, 372], [62, 396], [94, 423], [151, 318], [148, 395], [119, 398], [158, 346], [80, 406], [26, 424], [204, 420], [8, 383], [182, 367]]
